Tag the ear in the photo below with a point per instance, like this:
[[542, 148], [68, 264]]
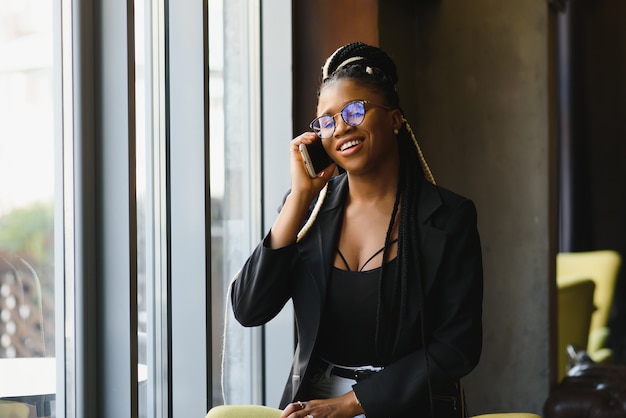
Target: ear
[[396, 119]]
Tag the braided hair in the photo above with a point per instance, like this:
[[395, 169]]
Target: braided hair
[[373, 68]]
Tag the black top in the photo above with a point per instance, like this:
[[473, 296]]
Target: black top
[[348, 326]]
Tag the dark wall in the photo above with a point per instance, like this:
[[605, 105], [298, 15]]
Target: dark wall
[[478, 88]]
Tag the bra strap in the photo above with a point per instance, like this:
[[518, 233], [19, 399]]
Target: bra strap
[[376, 253], [368, 260]]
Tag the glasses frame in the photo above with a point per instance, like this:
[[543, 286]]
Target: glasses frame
[[363, 103]]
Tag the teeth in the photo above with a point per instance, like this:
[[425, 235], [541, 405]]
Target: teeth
[[349, 144]]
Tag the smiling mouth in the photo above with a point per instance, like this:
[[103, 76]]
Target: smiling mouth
[[349, 144]]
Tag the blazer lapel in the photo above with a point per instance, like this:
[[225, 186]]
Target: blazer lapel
[[318, 247], [433, 240]]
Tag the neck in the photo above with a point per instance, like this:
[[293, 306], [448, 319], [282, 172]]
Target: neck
[[373, 189]]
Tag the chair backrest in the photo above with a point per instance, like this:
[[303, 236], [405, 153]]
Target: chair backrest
[[602, 267], [243, 411], [21, 301], [9, 409], [508, 415], [575, 307]]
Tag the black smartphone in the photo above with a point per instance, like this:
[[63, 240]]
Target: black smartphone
[[315, 157]]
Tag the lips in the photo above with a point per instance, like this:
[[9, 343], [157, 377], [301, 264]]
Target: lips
[[344, 145]]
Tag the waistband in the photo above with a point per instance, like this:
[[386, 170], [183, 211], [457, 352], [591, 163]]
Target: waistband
[[357, 373]]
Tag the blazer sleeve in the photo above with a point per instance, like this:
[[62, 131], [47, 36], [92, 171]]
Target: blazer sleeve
[[453, 320], [263, 286]]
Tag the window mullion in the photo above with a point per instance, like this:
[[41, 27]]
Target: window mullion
[[187, 145], [116, 212]]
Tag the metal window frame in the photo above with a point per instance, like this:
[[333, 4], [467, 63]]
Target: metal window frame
[[98, 277], [97, 243], [187, 103]]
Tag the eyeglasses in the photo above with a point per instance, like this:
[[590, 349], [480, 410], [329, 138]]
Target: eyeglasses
[[352, 114]]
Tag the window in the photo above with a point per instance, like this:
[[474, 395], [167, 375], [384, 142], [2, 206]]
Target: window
[[27, 192], [249, 87], [132, 169], [235, 144]]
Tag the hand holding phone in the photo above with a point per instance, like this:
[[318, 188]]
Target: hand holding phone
[[315, 157]]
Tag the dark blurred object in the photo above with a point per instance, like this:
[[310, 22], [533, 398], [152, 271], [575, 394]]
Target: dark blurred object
[[589, 390], [558, 5]]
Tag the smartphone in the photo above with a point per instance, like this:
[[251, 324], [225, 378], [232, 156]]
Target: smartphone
[[315, 157]]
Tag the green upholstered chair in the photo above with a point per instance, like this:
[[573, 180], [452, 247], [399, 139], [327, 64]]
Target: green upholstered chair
[[243, 411], [602, 267]]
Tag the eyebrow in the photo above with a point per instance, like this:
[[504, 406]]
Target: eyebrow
[[341, 107]]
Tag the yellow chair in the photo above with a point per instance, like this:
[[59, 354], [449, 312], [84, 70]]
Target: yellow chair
[[10, 409], [575, 307], [508, 415], [258, 411], [602, 267], [243, 411]]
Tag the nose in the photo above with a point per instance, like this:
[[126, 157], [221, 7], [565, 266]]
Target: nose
[[340, 125]]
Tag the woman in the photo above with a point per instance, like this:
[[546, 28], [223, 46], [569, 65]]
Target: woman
[[383, 266]]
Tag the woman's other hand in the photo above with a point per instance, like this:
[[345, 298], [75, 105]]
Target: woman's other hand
[[345, 406]]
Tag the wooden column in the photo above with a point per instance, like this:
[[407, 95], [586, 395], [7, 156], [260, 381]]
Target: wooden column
[[319, 28]]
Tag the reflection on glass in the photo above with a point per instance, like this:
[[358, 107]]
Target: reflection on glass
[[27, 332]]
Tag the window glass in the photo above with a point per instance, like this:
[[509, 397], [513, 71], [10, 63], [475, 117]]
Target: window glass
[[143, 121], [234, 139], [27, 327]]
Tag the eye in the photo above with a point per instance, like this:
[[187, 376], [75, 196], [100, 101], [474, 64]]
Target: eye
[[326, 122], [353, 113]]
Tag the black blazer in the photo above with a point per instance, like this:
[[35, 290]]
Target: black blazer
[[452, 270]]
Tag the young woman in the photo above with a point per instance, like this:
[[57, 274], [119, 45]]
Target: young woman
[[384, 267]]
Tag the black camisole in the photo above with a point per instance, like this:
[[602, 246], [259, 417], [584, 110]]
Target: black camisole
[[348, 326]]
